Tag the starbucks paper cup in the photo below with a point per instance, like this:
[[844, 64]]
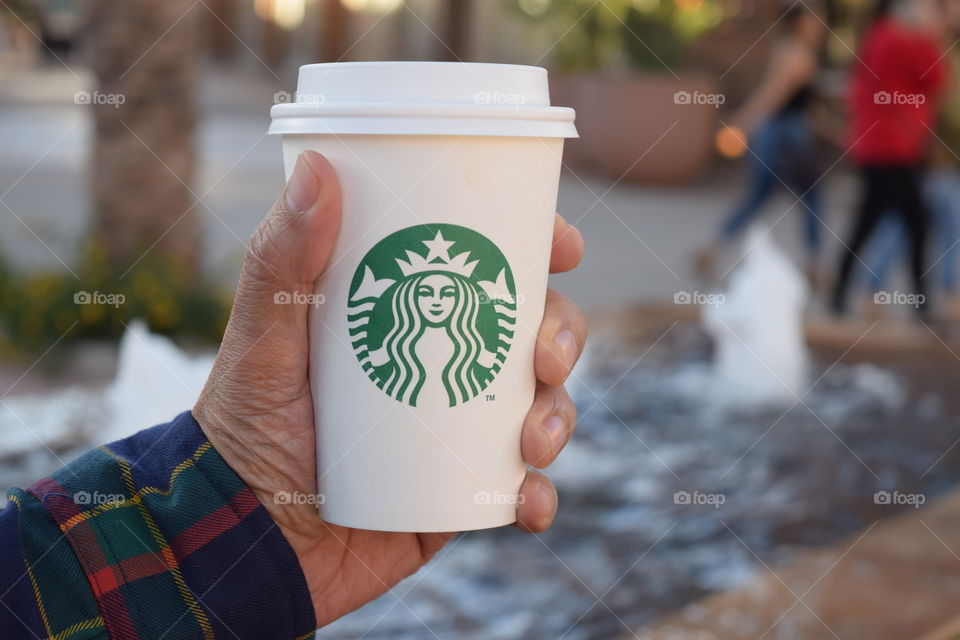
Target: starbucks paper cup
[[422, 341]]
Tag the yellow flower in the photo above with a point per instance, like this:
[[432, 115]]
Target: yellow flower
[[163, 313], [91, 314]]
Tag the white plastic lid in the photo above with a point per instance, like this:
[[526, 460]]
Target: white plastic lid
[[423, 98]]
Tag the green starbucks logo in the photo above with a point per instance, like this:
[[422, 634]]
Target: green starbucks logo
[[432, 312]]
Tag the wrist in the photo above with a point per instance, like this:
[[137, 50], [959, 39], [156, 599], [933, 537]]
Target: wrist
[[255, 461]]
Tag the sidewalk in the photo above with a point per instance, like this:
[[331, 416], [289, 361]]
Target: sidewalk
[[898, 579]]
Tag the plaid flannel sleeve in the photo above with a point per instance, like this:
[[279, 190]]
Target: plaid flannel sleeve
[[150, 537]]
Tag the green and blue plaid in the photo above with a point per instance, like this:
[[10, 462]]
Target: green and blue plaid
[[151, 537]]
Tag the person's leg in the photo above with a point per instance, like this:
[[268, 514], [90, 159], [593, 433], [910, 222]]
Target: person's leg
[[942, 195], [948, 231], [913, 210], [883, 250], [813, 220], [950, 234], [798, 159], [762, 182], [880, 254], [874, 202], [761, 185]]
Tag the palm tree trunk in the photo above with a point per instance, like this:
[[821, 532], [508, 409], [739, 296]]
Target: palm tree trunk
[[274, 42], [334, 31], [457, 31], [220, 21], [144, 57]]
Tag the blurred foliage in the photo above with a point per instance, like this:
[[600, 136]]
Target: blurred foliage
[[40, 308], [19, 9], [650, 35]]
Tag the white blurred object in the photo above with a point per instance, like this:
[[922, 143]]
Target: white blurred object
[[760, 356], [155, 381], [47, 421]]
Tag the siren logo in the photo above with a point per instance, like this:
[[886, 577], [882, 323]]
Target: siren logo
[[432, 312]]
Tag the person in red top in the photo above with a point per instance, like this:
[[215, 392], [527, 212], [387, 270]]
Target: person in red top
[[893, 95]]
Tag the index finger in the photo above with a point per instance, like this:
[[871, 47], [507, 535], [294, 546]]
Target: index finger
[[567, 246]]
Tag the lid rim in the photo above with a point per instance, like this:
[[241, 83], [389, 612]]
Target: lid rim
[[418, 63], [427, 126], [420, 110]]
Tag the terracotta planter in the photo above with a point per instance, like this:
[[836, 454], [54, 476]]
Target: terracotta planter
[[646, 128], [23, 45]]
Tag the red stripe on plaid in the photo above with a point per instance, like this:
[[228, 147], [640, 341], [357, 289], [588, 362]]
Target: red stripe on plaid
[[103, 581], [82, 537], [126, 571], [55, 499], [113, 610], [115, 616], [214, 524], [63, 508]]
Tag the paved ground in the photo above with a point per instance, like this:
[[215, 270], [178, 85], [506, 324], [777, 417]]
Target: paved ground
[[898, 579], [638, 237]]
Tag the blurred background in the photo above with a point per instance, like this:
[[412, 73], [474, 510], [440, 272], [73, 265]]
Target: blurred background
[[770, 198]]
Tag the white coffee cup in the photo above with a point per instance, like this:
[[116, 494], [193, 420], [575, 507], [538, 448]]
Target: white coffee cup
[[423, 331]]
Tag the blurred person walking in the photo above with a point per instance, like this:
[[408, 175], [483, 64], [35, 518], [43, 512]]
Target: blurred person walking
[[941, 189], [893, 90], [775, 125]]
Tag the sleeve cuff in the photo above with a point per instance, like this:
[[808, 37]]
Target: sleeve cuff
[[174, 544]]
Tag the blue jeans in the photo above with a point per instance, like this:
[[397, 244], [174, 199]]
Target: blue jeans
[[784, 151], [942, 195]]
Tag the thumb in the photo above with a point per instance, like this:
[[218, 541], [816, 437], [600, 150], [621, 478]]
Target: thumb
[[261, 367], [285, 255], [291, 246], [293, 243]]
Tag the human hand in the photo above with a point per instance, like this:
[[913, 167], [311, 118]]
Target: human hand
[[257, 410]]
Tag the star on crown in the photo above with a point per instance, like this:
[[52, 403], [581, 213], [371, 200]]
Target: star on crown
[[437, 259]]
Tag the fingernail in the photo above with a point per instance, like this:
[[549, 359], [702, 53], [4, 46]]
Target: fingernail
[[567, 344], [554, 427], [303, 188]]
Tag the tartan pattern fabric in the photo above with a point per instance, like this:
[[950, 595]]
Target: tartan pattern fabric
[[150, 537]]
